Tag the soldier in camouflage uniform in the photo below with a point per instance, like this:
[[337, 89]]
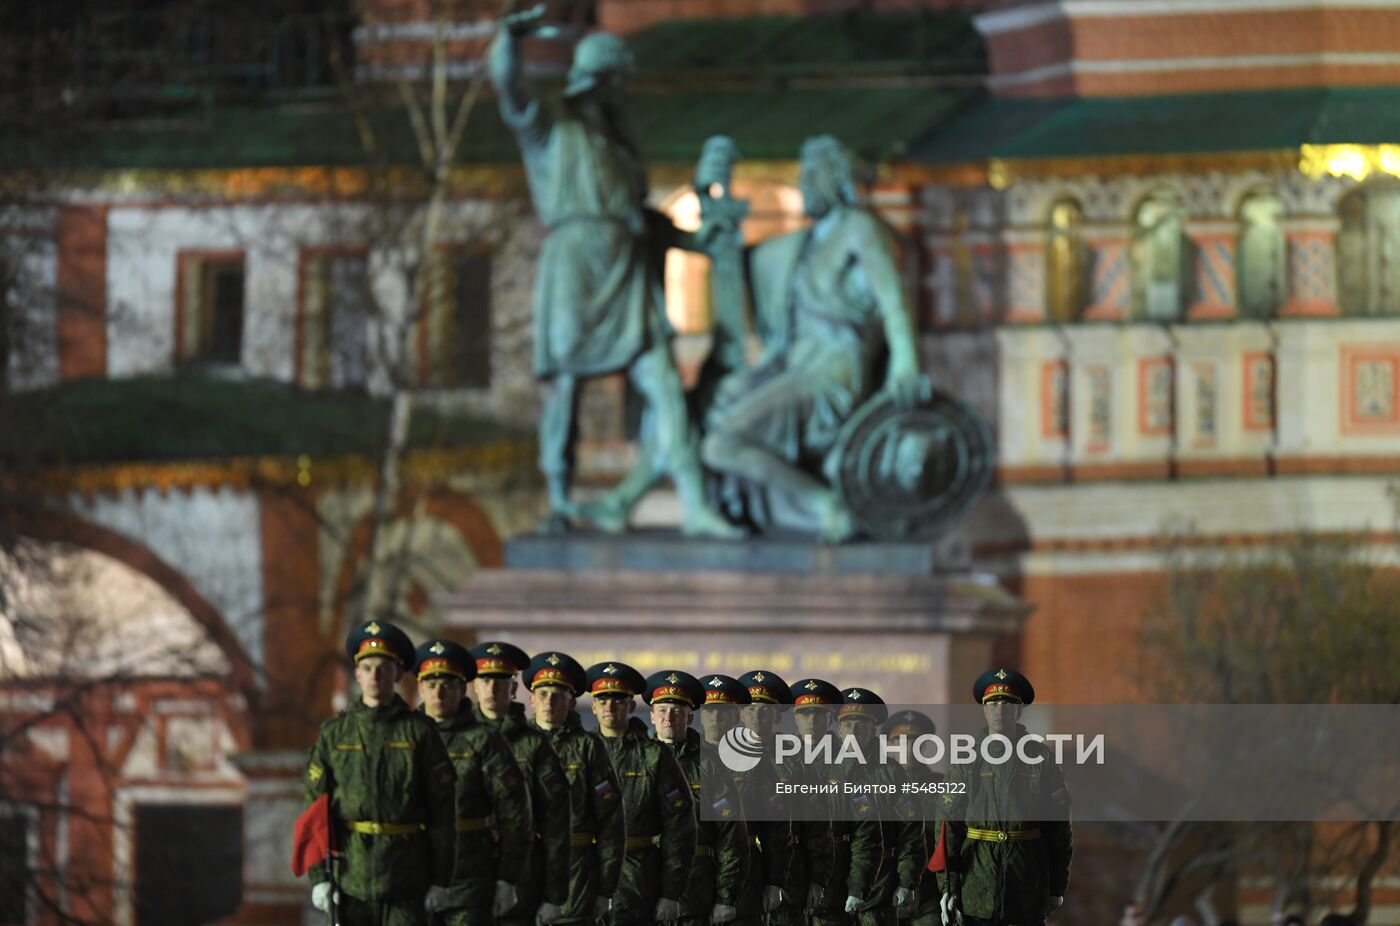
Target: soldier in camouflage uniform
[[656, 800], [902, 854], [908, 726], [769, 697], [490, 789], [814, 709], [543, 886], [836, 848], [764, 809], [722, 846], [1007, 856], [391, 793], [596, 845]]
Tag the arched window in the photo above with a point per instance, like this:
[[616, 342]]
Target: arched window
[[1158, 258], [1261, 255], [1368, 251], [1065, 262]]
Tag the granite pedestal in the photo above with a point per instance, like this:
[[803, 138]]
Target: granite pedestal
[[901, 618]]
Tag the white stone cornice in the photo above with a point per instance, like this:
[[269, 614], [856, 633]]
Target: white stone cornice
[[1025, 17], [1208, 63]]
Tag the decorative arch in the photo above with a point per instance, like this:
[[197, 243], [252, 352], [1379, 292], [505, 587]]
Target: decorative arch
[[1368, 249], [58, 527], [1066, 260], [1261, 254], [1158, 256]]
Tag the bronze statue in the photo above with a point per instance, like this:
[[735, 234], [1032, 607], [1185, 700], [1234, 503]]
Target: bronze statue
[[830, 302], [599, 300], [833, 431]]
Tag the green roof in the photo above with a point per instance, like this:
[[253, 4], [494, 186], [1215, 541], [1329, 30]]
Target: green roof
[[1176, 124], [759, 47], [876, 123], [877, 81], [190, 418], [768, 125]]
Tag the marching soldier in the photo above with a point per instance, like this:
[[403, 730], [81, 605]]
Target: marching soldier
[[1008, 838], [391, 793], [910, 725], [856, 849], [543, 886], [900, 835], [657, 804], [815, 702], [596, 845], [764, 809], [489, 787], [769, 696], [721, 849]]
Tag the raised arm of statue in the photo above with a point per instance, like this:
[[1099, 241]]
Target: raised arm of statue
[[519, 108]]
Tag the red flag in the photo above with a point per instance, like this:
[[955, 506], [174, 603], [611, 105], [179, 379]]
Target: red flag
[[939, 862], [312, 839]]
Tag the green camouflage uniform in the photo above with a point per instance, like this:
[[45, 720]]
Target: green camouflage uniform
[[660, 825], [811, 848], [721, 847], [902, 858], [856, 849], [595, 858], [545, 876], [926, 899], [392, 799], [1008, 882], [494, 826], [772, 850]]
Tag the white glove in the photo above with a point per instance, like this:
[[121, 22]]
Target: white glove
[[948, 909], [902, 896], [1053, 903], [602, 907], [505, 899], [815, 893], [723, 913], [667, 910], [852, 903], [321, 896], [772, 898], [548, 913], [437, 898]]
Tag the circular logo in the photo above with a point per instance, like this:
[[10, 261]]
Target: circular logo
[[740, 749]]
